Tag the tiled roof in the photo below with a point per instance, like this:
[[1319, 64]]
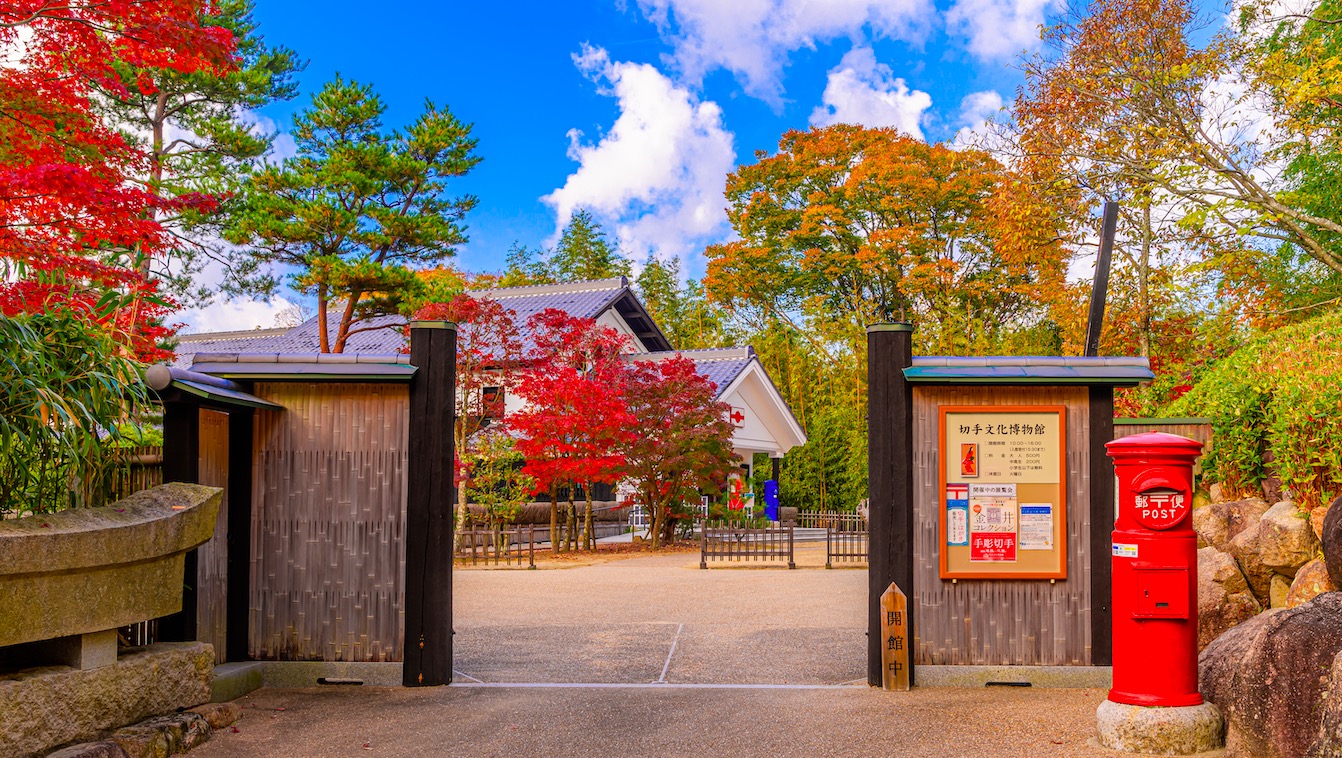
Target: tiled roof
[[720, 365], [224, 342], [386, 335]]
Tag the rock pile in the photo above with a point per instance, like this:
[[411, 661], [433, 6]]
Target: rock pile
[[1277, 677], [159, 736], [1254, 557]]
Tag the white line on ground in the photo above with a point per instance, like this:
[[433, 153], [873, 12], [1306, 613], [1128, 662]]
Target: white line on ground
[[660, 686], [670, 653], [466, 676]]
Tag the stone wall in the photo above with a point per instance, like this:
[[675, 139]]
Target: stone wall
[[44, 708]]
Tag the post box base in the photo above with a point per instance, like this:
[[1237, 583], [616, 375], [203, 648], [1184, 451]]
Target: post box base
[[1185, 730]]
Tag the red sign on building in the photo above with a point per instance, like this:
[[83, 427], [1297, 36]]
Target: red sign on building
[[992, 546]]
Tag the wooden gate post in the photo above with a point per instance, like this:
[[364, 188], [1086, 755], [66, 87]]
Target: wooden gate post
[[430, 505], [890, 480], [181, 463]]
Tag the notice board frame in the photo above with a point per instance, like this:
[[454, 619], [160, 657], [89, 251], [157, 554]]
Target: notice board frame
[[1060, 518]]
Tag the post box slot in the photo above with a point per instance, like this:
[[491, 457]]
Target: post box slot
[[1162, 592]]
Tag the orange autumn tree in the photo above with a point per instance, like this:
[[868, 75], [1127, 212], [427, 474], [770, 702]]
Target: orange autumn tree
[[845, 226], [1119, 106]]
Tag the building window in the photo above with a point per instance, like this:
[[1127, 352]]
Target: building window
[[492, 402]]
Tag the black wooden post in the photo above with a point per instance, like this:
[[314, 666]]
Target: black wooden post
[[890, 480], [1101, 526], [430, 505], [181, 463], [237, 614]]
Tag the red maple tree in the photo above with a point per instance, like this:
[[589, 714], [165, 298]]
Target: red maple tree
[[575, 421], [72, 225], [489, 354], [681, 440]]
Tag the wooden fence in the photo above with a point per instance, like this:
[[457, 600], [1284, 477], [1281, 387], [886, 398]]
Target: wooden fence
[[140, 469], [846, 546], [494, 545], [739, 544], [842, 522]]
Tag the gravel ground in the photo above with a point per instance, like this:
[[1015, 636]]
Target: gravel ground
[[668, 647]]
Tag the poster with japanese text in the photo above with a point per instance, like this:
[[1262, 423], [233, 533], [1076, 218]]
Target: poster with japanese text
[[1009, 462], [957, 514], [993, 517]]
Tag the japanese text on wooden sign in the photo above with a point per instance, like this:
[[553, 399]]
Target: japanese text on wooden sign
[[894, 639]]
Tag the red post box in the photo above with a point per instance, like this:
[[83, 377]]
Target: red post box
[[1155, 563]]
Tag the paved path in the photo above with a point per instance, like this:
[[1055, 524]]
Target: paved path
[[652, 656], [662, 619], [552, 722]]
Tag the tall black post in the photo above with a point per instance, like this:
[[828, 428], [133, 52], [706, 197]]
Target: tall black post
[[237, 613], [890, 480], [430, 504], [1099, 292], [181, 463], [1101, 526]]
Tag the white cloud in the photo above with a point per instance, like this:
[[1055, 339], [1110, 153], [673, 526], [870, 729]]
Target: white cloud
[[975, 110], [656, 178], [752, 38], [232, 315], [862, 91], [14, 46], [262, 125], [998, 29]]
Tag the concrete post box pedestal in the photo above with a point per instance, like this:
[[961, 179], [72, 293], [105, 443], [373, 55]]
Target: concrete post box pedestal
[[1154, 705]]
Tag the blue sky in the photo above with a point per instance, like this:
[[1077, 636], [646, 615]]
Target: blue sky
[[638, 109]]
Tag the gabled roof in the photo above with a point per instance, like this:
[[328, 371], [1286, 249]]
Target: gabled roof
[[737, 369], [385, 334]]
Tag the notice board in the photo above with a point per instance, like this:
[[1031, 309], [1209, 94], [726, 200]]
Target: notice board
[[1003, 491]]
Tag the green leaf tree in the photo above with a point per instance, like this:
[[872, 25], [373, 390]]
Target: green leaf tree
[[495, 480], [683, 312], [359, 209]]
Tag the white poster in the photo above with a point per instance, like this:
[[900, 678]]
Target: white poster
[[992, 508], [1036, 526]]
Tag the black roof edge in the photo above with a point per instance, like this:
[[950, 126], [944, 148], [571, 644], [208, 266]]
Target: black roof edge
[[625, 296]]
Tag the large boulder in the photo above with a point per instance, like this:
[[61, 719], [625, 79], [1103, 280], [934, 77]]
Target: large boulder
[[1329, 744], [1224, 599], [1217, 524], [1269, 676], [1285, 539], [1245, 548], [1310, 582], [1332, 542]]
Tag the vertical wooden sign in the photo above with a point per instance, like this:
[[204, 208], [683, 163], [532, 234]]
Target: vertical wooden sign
[[894, 640]]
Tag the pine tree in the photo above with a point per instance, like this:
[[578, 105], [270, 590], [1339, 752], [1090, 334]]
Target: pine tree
[[584, 253]]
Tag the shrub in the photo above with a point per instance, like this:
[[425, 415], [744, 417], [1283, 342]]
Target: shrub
[[1276, 408], [68, 388]]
